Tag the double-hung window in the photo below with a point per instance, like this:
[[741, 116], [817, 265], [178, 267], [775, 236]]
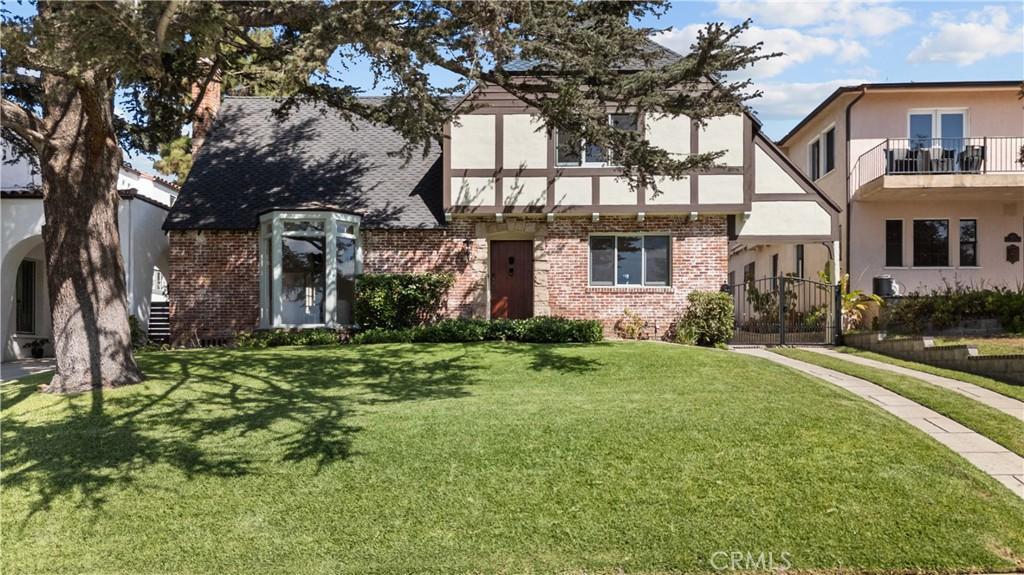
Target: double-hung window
[[571, 150], [931, 243], [630, 260], [894, 243], [968, 243], [309, 261], [821, 154], [748, 273]]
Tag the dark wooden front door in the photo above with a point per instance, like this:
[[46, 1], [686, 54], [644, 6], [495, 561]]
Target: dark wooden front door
[[512, 279]]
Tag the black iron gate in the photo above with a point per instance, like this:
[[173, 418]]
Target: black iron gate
[[784, 311]]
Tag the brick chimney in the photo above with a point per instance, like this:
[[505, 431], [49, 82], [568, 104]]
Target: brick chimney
[[206, 112]]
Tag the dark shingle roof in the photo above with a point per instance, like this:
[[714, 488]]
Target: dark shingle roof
[[253, 162]]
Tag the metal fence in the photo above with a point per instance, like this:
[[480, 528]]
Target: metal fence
[[896, 156], [807, 314]]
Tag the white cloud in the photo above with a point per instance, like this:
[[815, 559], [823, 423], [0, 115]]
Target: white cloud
[[797, 47], [966, 39], [795, 99], [844, 17]]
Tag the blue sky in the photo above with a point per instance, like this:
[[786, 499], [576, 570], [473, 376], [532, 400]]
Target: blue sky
[[839, 43]]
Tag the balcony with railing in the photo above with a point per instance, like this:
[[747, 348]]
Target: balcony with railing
[[942, 163]]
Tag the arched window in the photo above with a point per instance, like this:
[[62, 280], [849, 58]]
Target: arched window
[[308, 265]]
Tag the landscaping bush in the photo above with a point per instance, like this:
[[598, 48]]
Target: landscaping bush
[[396, 301], [708, 319], [536, 329], [949, 306], [274, 338]]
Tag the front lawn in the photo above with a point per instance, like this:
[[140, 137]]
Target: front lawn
[[996, 425], [483, 458], [1007, 389], [992, 345]]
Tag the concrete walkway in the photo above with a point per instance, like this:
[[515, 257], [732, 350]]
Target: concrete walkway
[[990, 398], [994, 459], [20, 368]]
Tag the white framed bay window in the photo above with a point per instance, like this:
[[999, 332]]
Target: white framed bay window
[[308, 265]]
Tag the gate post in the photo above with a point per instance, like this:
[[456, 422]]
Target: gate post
[[838, 299], [781, 282]]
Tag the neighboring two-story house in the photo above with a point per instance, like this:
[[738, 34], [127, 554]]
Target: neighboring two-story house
[[930, 181], [25, 313], [278, 217]]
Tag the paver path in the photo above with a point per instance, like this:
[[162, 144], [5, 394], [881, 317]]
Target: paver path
[[990, 398], [985, 454]]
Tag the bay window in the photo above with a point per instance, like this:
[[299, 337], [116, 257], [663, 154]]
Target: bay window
[[630, 260], [308, 265]]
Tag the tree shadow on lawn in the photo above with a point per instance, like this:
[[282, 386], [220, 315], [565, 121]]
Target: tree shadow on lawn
[[198, 404]]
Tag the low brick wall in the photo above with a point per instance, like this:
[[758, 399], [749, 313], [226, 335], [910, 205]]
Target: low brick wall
[[1008, 368]]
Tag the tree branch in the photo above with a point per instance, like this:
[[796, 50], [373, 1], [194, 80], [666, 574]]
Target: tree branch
[[165, 22], [16, 78], [22, 122]]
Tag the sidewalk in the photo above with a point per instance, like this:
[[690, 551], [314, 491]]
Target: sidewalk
[[990, 398], [994, 459], [20, 368]]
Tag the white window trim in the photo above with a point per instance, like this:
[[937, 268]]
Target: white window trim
[[977, 242], [270, 303], [949, 242], [583, 147], [903, 244], [643, 262], [822, 151], [936, 114]]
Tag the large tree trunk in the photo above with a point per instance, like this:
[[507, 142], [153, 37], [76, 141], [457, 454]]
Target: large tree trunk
[[85, 272]]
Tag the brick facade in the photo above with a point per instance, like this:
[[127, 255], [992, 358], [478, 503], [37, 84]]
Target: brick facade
[[214, 287], [214, 283]]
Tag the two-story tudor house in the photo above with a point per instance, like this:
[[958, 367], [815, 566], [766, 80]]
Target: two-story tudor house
[[279, 217], [929, 179]]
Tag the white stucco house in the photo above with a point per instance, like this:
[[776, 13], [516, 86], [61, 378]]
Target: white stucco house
[[24, 302]]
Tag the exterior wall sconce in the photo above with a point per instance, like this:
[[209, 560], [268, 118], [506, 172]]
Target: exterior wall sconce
[[640, 216], [551, 217], [499, 217], [595, 217], [692, 217]]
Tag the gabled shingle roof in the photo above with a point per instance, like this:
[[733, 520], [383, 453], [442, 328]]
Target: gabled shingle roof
[[253, 163]]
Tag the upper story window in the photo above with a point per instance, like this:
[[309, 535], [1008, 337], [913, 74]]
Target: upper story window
[[821, 154], [573, 151], [936, 128], [308, 263]]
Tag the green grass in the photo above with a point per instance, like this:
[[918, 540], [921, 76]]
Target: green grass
[[1007, 389], [994, 345], [482, 458], [996, 425]]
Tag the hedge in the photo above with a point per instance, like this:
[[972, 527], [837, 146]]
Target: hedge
[[542, 329], [708, 319], [275, 338], [948, 307], [397, 301]]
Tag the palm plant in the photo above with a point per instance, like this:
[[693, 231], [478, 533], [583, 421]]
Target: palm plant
[[855, 303]]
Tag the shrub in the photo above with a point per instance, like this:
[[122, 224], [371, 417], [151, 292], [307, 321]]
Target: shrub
[[396, 301], [139, 336], [948, 307], [536, 329], [631, 326], [708, 319], [275, 338]]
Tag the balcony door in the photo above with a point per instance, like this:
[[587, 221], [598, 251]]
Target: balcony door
[[943, 129]]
